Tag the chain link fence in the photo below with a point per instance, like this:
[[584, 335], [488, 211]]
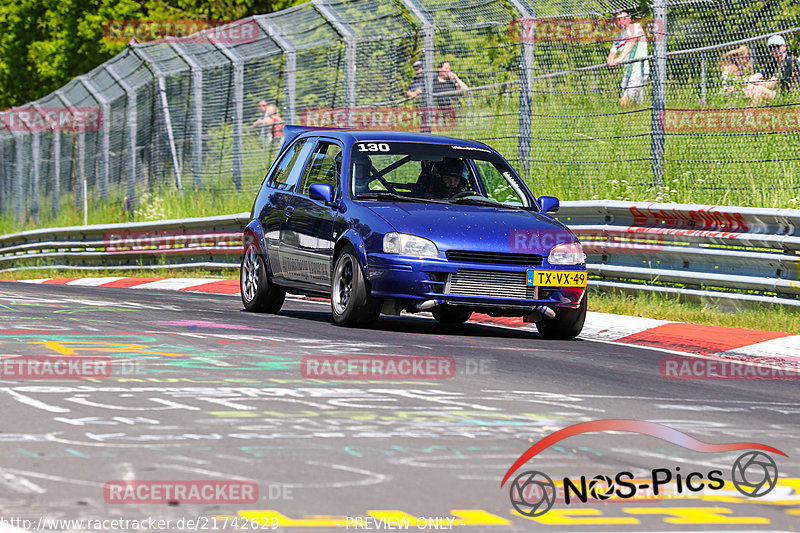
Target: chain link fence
[[534, 83]]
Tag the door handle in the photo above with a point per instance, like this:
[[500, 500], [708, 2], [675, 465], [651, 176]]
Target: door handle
[[289, 211]]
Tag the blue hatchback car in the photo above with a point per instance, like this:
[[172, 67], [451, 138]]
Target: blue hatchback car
[[384, 222]]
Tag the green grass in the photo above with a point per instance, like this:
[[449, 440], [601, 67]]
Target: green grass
[[671, 307]]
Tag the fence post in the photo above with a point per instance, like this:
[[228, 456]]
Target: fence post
[[3, 171], [132, 121], [149, 62], [525, 85], [197, 112], [80, 200], [238, 107], [19, 167], [289, 51], [56, 154], [659, 90], [703, 78], [105, 121], [36, 157], [428, 49], [347, 34]]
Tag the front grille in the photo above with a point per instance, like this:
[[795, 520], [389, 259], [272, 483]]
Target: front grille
[[468, 282], [495, 258]]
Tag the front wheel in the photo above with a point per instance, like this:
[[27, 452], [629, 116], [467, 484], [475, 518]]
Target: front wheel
[[567, 323], [351, 303], [259, 295]]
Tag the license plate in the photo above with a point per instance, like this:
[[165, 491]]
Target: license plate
[[555, 278]]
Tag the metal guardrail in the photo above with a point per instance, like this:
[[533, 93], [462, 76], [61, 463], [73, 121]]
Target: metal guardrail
[[706, 252], [699, 251]]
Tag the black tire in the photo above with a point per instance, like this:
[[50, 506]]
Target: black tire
[[259, 295], [450, 314], [351, 303], [567, 323]]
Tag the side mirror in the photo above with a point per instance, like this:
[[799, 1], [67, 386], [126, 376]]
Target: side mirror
[[549, 204], [321, 191]]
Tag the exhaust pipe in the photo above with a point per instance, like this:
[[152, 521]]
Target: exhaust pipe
[[427, 304], [547, 312]]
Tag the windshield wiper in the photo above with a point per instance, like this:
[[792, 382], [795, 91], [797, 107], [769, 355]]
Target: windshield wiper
[[481, 201], [385, 195]]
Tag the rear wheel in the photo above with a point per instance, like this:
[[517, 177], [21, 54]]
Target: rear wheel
[[450, 314], [351, 303], [258, 294], [567, 323]]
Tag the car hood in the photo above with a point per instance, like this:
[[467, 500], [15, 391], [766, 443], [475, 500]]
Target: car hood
[[478, 228]]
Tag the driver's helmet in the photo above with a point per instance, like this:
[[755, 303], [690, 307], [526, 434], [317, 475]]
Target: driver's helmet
[[362, 166], [449, 178]]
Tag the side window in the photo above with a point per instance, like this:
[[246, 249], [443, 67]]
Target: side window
[[288, 170], [499, 187], [323, 167]]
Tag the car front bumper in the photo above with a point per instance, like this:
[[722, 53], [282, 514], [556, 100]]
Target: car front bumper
[[465, 283]]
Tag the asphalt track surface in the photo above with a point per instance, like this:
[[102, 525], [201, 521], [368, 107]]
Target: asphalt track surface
[[202, 390]]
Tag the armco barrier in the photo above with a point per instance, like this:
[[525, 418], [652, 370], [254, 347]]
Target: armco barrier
[[727, 253]]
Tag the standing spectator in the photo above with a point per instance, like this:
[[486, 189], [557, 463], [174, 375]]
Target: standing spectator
[[630, 44], [781, 73], [417, 84], [276, 127], [445, 66], [445, 83], [264, 123]]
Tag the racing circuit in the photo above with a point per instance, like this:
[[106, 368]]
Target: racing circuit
[[201, 390]]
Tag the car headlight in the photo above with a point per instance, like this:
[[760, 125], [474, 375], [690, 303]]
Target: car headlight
[[401, 243], [570, 253]]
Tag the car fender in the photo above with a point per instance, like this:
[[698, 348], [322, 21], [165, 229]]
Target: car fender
[[353, 238], [254, 230]]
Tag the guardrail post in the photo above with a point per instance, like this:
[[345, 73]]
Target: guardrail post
[[428, 49], [152, 65], [238, 108], [132, 122], [346, 33], [659, 90], [271, 29], [197, 112], [524, 131], [105, 121]]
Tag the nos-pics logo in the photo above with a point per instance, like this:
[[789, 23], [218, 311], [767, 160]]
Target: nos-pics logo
[[533, 493]]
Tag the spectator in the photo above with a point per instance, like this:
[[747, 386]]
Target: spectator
[[264, 123], [276, 127], [781, 73], [736, 66], [445, 83], [630, 44], [445, 66], [417, 82]]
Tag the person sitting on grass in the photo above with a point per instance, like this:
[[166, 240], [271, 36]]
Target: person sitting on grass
[[782, 73]]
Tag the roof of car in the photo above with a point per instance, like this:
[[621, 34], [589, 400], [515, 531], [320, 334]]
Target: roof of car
[[292, 131]]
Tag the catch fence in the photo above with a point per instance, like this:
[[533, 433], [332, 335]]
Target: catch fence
[[180, 113]]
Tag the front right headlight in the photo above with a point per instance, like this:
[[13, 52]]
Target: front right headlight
[[570, 253], [402, 243]]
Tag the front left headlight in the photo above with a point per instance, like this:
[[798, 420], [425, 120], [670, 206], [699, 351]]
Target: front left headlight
[[402, 243], [570, 253]]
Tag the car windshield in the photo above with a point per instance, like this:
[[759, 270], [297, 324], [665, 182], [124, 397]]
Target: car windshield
[[435, 173]]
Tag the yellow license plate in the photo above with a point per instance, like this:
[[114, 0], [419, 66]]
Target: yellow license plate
[[556, 278]]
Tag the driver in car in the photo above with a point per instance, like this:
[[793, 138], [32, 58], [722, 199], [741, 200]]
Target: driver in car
[[448, 179]]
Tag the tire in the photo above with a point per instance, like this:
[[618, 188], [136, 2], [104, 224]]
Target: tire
[[351, 303], [567, 323], [259, 295], [450, 314]]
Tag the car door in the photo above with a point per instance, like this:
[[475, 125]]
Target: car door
[[277, 203], [308, 232]]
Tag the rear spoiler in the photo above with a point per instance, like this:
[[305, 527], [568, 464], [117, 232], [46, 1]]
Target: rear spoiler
[[292, 131]]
